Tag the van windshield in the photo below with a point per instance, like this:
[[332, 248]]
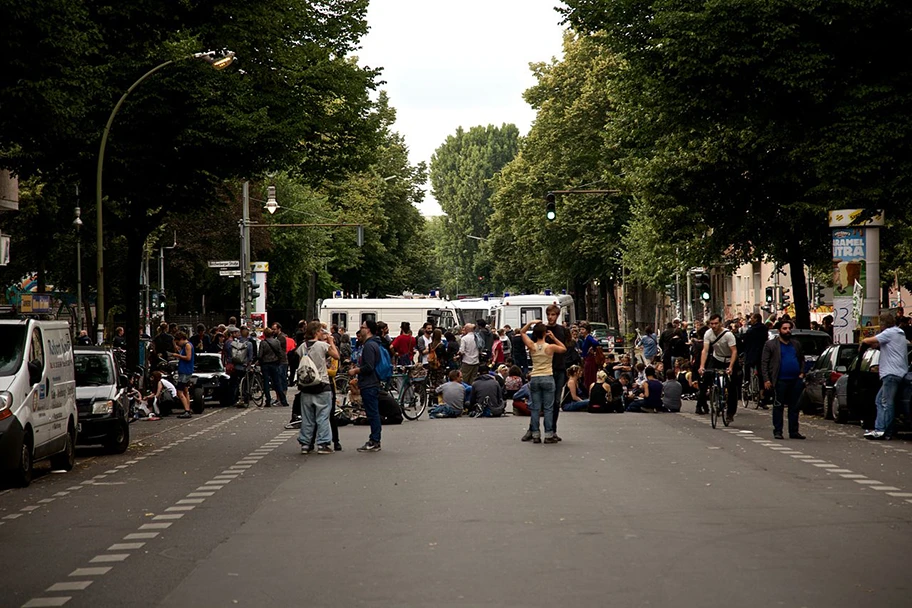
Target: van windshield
[[93, 370], [12, 345]]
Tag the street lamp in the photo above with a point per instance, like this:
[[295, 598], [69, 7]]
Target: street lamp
[[77, 224], [218, 62]]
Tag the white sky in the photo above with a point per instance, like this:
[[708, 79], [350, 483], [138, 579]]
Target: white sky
[[458, 63]]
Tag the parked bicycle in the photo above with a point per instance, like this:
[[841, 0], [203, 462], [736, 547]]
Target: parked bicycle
[[750, 389], [409, 387], [251, 388]]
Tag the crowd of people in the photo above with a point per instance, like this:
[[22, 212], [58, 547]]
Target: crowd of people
[[538, 370]]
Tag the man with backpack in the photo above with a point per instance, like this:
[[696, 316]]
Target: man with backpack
[[237, 356], [484, 338], [271, 354], [373, 366]]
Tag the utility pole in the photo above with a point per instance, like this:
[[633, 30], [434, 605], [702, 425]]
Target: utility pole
[[245, 251]]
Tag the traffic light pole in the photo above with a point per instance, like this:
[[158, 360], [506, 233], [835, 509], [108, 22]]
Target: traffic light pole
[[245, 251]]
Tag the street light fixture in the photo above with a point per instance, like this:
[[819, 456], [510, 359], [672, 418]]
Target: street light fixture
[[271, 204], [218, 62]]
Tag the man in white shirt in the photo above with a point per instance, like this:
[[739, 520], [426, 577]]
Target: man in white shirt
[[468, 352], [720, 352], [894, 364], [424, 340]]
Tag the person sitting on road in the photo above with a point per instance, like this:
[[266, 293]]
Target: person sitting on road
[[454, 395], [671, 392], [571, 396], [162, 397], [487, 394], [652, 394], [513, 382]]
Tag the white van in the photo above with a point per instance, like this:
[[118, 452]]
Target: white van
[[472, 309], [351, 312], [516, 311], [37, 397]]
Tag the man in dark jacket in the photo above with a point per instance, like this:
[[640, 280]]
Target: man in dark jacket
[[369, 383], [487, 394], [782, 371], [754, 338]]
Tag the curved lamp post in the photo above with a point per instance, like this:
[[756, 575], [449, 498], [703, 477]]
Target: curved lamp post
[[218, 63]]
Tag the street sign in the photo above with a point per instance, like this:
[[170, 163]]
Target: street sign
[[224, 264], [229, 273]]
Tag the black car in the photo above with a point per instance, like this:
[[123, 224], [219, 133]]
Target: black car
[[855, 397], [820, 380]]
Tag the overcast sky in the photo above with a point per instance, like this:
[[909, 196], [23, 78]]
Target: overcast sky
[[449, 64]]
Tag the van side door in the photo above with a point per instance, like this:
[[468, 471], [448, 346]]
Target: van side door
[[38, 397]]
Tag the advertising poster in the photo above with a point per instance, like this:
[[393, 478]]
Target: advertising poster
[[843, 323], [848, 260]]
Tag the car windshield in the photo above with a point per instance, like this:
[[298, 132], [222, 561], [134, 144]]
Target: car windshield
[[812, 345], [12, 345], [208, 365], [94, 369]]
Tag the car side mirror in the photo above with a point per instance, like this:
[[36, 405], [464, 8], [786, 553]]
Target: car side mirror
[[34, 371], [841, 369]]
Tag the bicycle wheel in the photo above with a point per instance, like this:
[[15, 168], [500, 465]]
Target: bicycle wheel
[[723, 405], [755, 388], [713, 406], [408, 402], [257, 395], [417, 401]]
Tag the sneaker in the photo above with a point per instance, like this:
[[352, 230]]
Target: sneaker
[[778, 435], [306, 449], [527, 436], [876, 435], [337, 447], [796, 436], [551, 439], [370, 446], [185, 415], [294, 424], [557, 437], [869, 433], [324, 448], [153, 417], [536, 438]]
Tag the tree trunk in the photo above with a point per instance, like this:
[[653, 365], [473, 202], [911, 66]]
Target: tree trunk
[[610, 288], [795, 259]]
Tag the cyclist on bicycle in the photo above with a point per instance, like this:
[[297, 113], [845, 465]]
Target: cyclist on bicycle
[[754, 339], [720, 352]]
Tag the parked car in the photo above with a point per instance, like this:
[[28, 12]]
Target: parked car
[[820, 380], [211, 382], [608, 337], [856, 391], [812, 342], [101, 399]]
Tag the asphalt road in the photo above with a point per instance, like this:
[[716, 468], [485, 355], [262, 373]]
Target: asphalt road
[[629, 510]]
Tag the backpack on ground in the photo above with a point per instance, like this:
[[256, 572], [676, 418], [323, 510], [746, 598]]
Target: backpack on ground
[[307, 375], [238, 352], [384, 367]]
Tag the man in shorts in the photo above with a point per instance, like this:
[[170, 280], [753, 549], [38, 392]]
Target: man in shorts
[[185, 361]]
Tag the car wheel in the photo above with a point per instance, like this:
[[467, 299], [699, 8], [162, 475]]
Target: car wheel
[[21, 476], [829, 402], [65, 460], [119, 441], [196, 401], [840, 414]]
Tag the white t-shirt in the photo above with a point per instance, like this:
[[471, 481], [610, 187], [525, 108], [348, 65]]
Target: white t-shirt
[[468, 349], [169, 387], [318, 352], [721, 344], [423, 343]]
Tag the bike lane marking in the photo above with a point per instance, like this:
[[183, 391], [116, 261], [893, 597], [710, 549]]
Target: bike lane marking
[[112, 558]]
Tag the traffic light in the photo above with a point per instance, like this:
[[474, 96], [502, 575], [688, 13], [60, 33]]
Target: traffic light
[[818, 294], [702, 285], [672, 290], [786, 299], [770, 295], [550, 208], [161, 300], [252, 287]]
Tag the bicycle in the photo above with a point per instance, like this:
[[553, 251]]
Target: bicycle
[[251, 387], [750, 389], [408, 391], [717, 398]]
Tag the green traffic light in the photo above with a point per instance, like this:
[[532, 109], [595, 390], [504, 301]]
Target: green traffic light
[[551, 215]]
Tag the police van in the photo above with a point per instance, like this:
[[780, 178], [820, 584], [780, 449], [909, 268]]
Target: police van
[[349, 313], [38, 416], [517, 310]]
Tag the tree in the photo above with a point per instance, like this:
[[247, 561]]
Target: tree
[[461, 172], [295, 103], [774, 110], [565, 149]]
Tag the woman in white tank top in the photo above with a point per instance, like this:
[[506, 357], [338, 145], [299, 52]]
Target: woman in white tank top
[[542, 384]]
